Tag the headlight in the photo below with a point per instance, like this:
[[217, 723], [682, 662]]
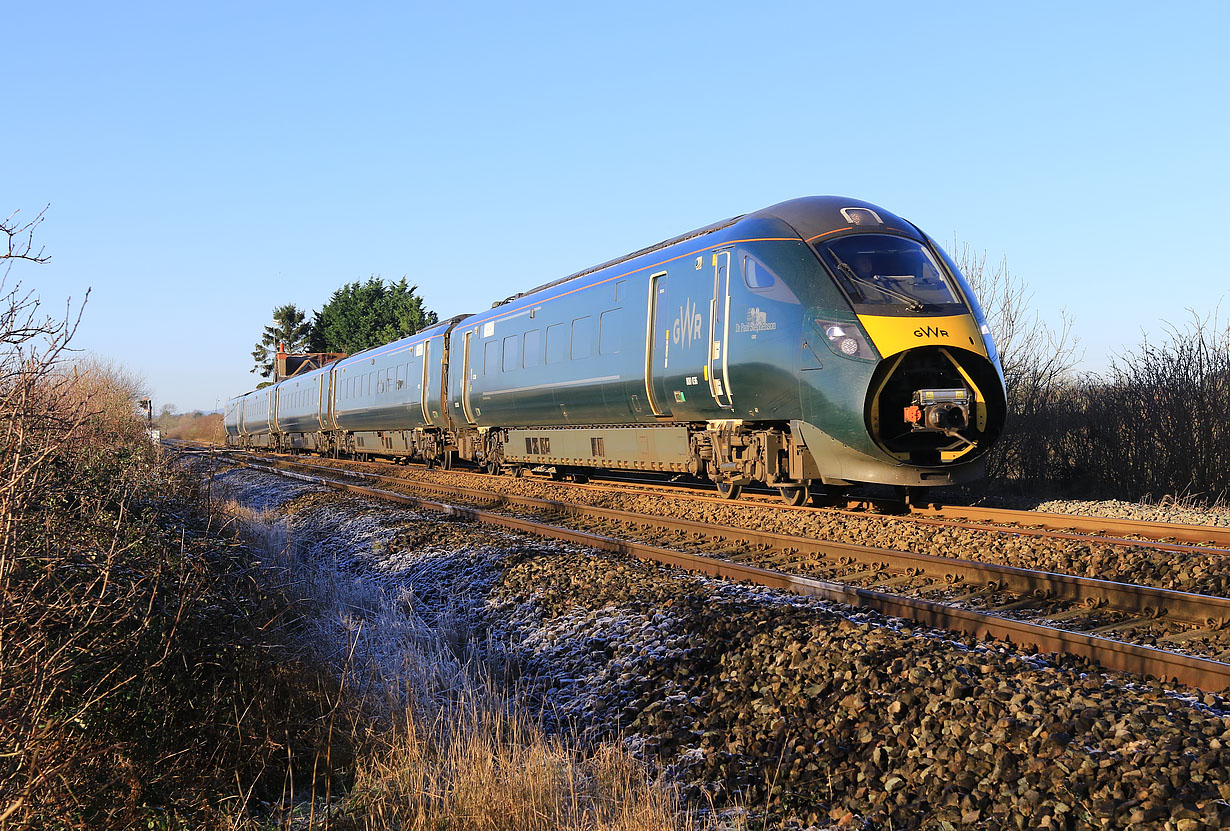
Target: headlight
[[845, 339]]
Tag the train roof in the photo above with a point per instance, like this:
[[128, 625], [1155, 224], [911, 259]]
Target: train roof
[[817, 216], [699, 232], [809, 216], [431, 331]]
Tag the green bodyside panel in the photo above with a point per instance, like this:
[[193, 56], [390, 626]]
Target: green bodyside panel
[[636, 448]]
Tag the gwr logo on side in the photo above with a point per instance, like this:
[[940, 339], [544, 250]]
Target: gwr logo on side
[[930, 332], [687, 324]]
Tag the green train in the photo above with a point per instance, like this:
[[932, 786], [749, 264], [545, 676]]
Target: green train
[[809, 346]]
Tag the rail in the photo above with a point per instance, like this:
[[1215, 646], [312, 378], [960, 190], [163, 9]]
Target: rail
[[1110, 653]]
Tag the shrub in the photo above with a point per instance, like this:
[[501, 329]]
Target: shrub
[[139, 679]]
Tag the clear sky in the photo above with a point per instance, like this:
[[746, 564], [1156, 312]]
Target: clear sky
[[207, 162]]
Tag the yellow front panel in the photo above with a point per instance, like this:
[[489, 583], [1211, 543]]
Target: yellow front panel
[[892, 335]]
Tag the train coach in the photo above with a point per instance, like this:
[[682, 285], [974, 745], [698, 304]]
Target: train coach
[[811, 345]]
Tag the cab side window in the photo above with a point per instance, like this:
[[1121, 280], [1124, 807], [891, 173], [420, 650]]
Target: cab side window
[[756, 275]]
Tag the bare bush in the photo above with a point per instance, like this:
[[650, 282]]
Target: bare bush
[[1038, 363], [1153, 426], [135, 690], [1157, 424], [145, 672]]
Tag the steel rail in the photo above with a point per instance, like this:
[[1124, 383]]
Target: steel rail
[[1189, 539], [1150, 530], [1147, 601], [1111, 654]]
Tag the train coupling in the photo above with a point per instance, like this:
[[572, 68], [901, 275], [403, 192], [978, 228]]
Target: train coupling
[[943, 410]]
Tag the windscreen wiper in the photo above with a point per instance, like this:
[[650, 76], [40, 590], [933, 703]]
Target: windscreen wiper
[[910, 303]]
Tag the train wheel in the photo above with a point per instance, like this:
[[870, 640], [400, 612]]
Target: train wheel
[[794, 496], [446, 461], [728, 491]]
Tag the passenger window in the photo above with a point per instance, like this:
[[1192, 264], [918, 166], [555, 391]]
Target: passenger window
[[491, 357], [610, 332], [582, 337], [512, 352], [533, 341], [557, 343]]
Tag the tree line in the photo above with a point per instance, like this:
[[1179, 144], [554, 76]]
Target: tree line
[[358, 316]]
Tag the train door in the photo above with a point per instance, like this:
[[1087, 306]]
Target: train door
[[466, 377], [657, 342], [320, 399], [719, 331], [426, 382]]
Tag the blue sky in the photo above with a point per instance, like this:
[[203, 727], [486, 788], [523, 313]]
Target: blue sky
[[205, 163]]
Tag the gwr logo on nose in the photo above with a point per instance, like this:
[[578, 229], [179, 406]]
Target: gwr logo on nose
[[930, 332]]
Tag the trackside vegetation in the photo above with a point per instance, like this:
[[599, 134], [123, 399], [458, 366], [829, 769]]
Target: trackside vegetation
[[1152, 427], [146, 673], [157, 669]]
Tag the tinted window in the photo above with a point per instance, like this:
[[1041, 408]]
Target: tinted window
[[512, 352], [533, 343], [557, 343], [610, 332], [582, 337]]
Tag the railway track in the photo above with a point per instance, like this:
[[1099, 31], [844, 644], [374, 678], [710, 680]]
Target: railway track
[[1172, 536], [1104, 530], [1164, 536], [1174, 631]]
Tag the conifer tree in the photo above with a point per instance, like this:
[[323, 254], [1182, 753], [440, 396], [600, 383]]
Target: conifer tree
[[291, 328], [361, 315]]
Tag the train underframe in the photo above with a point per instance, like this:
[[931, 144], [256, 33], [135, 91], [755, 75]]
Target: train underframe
[[730, 453]]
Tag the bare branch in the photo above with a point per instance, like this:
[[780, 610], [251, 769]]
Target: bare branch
[[19, 238]]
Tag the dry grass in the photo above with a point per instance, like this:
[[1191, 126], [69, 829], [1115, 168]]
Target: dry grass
[[483, 769], [452, 750], [202, 427]]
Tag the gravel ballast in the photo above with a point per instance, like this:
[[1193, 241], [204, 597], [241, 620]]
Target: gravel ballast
[[1190, 572], [817, 712]]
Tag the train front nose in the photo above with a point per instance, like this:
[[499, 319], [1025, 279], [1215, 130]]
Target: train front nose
[[935, 405]]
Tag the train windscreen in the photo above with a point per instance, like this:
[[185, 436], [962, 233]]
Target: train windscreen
[[894, 275]]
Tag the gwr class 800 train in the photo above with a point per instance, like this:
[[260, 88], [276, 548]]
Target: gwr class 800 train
[[808, 346]]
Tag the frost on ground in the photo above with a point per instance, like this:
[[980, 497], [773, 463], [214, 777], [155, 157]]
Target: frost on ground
[[816, 712]]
